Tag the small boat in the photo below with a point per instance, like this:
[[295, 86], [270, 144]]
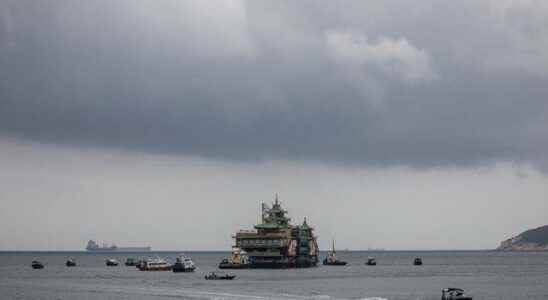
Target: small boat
[[417, 261], [130, 262], [371, 261], [331, 259], [154, 264], [454, 294], [37, 265], [222, 276], [237, 260], [183, 263], [111, 262], [70, 263]]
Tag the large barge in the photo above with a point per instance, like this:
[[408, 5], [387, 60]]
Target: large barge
[[275, 243]]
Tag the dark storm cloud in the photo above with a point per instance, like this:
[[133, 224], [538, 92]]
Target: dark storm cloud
[[399, 83]]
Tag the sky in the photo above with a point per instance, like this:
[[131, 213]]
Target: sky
[[388, 124]]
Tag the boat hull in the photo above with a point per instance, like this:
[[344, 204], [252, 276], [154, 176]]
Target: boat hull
[[166, 268], [233, 266], [336, 263], [181, 269]]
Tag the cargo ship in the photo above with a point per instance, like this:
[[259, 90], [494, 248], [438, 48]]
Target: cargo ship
[[276, 243], [94, 247]]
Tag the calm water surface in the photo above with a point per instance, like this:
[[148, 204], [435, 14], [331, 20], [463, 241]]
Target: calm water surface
[[483, 274]]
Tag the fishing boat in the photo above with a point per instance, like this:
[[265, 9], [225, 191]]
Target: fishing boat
[[37, 265], [371, 261], [70, 263], [111, 262], [237, 260], [183, 263], [154, 264], [219, 276], [454, 294], [331, 259], [417, 261]]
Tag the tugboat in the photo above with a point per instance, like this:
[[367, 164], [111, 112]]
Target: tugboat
[[275, 243], [331, 259], [221, 276], [70, 263], [37, 265], [454, 294], [183, 264], [371, 261], [155, 264], [130, 262], [417, 261], [238, 260], [111, 262]]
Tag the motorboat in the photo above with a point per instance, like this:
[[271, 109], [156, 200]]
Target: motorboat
[[130, 261], [417, 261], [371, 261], [183, 263], [37, 265], [70, 263], [154, 264], [454, 294], [331, 259], [111, 262], [237, 260], [219, 276]]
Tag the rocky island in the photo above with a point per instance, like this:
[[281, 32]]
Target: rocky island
[[530, 240]]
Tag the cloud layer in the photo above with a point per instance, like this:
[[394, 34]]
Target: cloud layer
[[396, 83]]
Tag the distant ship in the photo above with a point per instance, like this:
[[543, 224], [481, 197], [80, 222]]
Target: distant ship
[[94, 247]]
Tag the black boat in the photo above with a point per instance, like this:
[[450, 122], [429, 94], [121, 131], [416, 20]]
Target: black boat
[[331, 259], [70, 263], [222, 276], [37, 265], [111, 262], [417, 261], [130, 262], [334, 263], [371, 261], [454, 294]]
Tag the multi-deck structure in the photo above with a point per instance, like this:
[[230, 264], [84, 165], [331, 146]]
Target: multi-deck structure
[[275, 243]]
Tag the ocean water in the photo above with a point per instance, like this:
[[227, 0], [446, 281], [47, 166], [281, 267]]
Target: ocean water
[[483, 274]]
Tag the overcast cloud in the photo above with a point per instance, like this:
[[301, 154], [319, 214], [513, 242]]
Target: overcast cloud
[[394, 82]]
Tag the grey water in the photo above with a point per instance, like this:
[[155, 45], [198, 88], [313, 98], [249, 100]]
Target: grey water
[[483, 274]]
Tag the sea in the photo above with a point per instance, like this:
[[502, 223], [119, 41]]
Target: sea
[[482, 274]]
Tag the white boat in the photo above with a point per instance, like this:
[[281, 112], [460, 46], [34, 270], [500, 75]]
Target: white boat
[[154, 264], [183, 264]]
